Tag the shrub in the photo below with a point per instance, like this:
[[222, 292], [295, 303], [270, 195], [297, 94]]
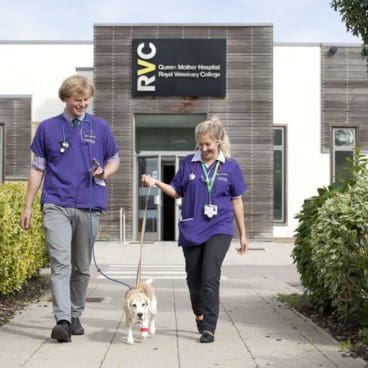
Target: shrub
[[331, 245], [304, 244], [340, 251], [22, 253]]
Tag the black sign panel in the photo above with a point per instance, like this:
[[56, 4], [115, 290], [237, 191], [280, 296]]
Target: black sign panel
[[179, 67]]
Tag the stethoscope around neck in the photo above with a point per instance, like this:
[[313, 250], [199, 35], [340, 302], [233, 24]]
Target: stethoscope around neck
[[64, 145]]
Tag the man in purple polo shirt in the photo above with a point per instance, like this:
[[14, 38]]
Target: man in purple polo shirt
[[211, 185], [74, 153]]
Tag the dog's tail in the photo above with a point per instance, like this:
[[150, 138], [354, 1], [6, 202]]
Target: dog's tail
[[149, 281]]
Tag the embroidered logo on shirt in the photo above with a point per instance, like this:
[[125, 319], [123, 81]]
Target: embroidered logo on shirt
[[88, 138], [223, 178]]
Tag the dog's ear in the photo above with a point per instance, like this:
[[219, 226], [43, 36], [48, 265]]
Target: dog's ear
[[149, 282], [128, 300]]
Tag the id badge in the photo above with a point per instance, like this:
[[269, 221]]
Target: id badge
[[210, 210]]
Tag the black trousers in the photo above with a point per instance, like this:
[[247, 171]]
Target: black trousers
[[203, 267]]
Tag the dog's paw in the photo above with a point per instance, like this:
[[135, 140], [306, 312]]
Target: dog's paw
[[130, 341]]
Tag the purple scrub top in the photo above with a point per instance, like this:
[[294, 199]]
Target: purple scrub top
[[67, 175], [195, 227]]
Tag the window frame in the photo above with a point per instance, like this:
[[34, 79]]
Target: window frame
[[335, 148], [283, 149]]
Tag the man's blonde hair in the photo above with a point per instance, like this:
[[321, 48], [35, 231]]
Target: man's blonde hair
[[76, 85]]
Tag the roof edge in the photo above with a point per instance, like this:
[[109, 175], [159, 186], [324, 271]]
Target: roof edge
[[46, 42], [183, 24]]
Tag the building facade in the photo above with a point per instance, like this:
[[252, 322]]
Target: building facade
[[293, 113]]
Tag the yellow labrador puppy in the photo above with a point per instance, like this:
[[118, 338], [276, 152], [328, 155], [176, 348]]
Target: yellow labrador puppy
[[140, 306]]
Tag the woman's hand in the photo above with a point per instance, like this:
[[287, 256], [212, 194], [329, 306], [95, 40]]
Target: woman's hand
[[243, 245], [147, 181]]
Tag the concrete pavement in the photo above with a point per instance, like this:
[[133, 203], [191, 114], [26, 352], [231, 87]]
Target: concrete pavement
[[254, 329]]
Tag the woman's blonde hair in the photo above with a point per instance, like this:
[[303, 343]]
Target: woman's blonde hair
[[76, 85], [215, 129]]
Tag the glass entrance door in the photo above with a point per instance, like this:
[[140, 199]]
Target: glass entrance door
[[149, 197], [163, 211], [178, 161], [160, 141]]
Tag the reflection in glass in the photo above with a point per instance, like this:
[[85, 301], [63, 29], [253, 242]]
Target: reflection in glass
[[148, 165], [344, 137], [342, 166], [277, 137], [277, 186], [166, 132]]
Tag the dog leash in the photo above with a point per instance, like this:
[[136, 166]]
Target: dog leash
[[92, 245], [143, 230]]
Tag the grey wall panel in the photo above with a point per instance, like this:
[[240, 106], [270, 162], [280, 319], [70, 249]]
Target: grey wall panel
[[15, 115], [344, 93]]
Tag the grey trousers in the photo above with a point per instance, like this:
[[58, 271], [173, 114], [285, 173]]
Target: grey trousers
[[68, 238], [203, 267]]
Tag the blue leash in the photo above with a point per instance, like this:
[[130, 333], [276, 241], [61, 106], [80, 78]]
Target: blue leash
[[98, 269]]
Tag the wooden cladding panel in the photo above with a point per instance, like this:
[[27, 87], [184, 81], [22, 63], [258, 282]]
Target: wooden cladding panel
[[15, 115], [344, 97], [246, 111]]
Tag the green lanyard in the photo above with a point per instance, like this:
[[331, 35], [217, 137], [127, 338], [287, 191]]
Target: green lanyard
[[210, 181]]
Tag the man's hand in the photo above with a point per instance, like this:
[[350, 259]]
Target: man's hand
[[25, 221], [97, 170]]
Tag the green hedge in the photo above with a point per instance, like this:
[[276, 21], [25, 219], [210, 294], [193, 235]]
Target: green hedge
[[304, 248], [22, 253], [340, 235], [331, 246]]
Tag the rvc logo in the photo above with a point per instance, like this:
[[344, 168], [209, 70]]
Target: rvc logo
[[145, 78]]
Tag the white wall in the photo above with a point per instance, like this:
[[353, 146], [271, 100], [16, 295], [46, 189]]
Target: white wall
[[297, 104], [38, 69]]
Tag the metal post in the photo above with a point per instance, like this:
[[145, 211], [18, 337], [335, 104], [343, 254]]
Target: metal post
[[122, 225]]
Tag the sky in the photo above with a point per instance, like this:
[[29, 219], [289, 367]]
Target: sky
[[64, 20]]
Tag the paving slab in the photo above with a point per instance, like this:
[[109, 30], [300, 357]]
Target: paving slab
[[255, 330]]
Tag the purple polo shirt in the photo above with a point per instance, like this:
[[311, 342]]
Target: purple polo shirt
[[195, 227], [67, 175]]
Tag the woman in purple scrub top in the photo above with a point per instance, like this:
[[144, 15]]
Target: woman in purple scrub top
[[211, 186]]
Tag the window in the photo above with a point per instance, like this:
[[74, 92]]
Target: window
[[279, 174], [344, 140], [166, 132]]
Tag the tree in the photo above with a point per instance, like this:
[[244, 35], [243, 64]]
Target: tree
[[354, 14]]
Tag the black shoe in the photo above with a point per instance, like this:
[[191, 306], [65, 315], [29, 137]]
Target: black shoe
[[207, 336], [200, 325], [76, 327], [62, 332]]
